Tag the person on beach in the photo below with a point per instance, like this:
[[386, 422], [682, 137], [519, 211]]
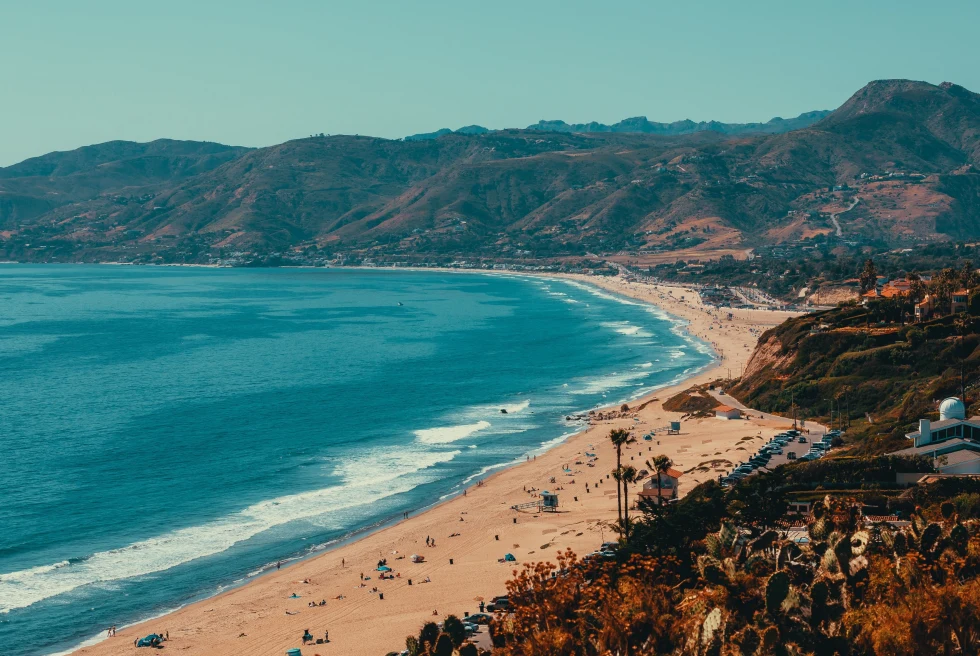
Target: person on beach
[[278, 565], [326, 636]]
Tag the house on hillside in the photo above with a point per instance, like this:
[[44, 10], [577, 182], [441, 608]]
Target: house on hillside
[[668, 487], [960, 300], [727, 412], [953, 442], [891, 289], [924, 308]]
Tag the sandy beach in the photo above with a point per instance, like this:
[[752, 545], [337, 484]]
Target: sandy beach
[[472, 532]]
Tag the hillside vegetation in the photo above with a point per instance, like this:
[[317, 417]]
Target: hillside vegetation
[[900, 157], [880, 375]]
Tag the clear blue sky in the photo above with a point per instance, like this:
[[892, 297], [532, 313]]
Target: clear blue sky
[[257, 73]]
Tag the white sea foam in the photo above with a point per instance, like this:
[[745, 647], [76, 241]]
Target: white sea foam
[[449, 434], [626, 328], [514, 408], [611, 381], [367, 479]]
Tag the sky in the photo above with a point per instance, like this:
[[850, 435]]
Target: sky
[[257, 73]]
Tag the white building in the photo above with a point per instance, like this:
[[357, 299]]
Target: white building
[[953, 442], [727, 412]]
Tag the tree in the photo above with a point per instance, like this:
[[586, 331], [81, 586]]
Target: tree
[[443, 646], [620, 437], [625, 476], [428, 636], [969, 277], [454, 628], [659, 465], [868, 277], [943, 286]]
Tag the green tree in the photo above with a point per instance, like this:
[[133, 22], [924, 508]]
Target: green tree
[[620, 437], [969, 277], [943, 286], [625, 476], [659, 465], [868, 278]]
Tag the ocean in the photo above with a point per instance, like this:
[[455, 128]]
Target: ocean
[[166, 433]]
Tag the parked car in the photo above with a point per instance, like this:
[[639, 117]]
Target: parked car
[[499, 603], [802, 440], [479, 618]]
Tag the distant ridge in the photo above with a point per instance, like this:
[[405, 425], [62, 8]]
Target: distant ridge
[[642, 125], [907, 151], [468, 129]]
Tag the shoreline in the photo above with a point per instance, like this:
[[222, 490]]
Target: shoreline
[[187, 622]]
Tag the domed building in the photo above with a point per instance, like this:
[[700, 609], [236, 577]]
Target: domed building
[[953, 441], [952, 408]]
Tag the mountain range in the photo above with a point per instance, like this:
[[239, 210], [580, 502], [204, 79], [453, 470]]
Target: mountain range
[[896, 164], [642, 125]]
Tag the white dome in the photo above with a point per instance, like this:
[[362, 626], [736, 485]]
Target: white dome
[[951, 408]]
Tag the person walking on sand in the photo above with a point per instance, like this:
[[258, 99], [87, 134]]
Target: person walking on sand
[[278, 565]]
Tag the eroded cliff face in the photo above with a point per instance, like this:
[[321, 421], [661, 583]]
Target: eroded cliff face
[[768, 353]]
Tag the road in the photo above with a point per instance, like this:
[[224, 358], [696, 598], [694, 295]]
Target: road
[[833, 217]]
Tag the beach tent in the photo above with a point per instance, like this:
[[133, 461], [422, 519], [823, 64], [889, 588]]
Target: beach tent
[[417, 558], [151, 640], [384, 568], [510, 558]]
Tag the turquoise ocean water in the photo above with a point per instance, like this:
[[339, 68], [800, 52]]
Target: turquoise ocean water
[[168, 432]]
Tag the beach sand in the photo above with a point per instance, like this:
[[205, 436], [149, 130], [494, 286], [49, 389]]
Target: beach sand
[[261, 618]]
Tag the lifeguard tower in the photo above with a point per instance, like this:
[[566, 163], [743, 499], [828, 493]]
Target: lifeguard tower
[[547, 503]]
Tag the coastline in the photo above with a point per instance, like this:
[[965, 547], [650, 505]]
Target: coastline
[[260, 617]]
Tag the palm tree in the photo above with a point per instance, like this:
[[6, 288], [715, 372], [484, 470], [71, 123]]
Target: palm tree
[[625, 476], [620, 437], [660, 464]]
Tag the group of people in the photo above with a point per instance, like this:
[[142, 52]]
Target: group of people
[[309, 639], [111, 632], [313, 604], [430, 542]]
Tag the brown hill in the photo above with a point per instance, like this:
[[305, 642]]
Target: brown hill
[[906, 151]]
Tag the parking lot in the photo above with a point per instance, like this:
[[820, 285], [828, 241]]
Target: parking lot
[[797, 444]]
